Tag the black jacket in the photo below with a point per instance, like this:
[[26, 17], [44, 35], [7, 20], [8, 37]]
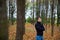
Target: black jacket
[[39, 28]]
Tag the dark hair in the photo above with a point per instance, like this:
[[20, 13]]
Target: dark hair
[[38, 17]]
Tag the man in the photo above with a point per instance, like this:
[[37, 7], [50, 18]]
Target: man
[[39, 28]]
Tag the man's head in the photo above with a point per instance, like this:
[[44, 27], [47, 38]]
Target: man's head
[[39, 19]]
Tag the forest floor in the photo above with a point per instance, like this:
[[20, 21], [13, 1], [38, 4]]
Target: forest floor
[[30, 33]]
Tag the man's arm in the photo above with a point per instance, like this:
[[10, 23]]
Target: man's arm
[[41, 28]]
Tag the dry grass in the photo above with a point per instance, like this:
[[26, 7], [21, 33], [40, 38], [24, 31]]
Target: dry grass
[[30, 33]]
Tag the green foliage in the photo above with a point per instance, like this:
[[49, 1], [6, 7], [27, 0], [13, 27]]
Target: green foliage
[[43, 17], [29, 20], [13, 20], [3, 29], [4, 22], [35, 19], [48, 20]]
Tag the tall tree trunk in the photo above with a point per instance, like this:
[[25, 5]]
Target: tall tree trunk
[[3, 21], [33, 13], [43, 12], [39, 5], [58, 14], [46, 2], [20, 19], [52, 18], [9, 11], [37, 8]]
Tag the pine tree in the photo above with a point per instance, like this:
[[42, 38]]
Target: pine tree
[[20, 19], [3, 21]]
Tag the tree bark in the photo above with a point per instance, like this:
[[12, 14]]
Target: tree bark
[[38, 8], [58, 15], [33, 13], [46, 2], [3, 20], [20, 19], [52, 18]]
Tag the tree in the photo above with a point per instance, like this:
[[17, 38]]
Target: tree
[[33, 11], [38, 7], [52, 17], [43, 11], [46, 3], [3, 21], [43, 16], [20, 19], [58, 13]]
